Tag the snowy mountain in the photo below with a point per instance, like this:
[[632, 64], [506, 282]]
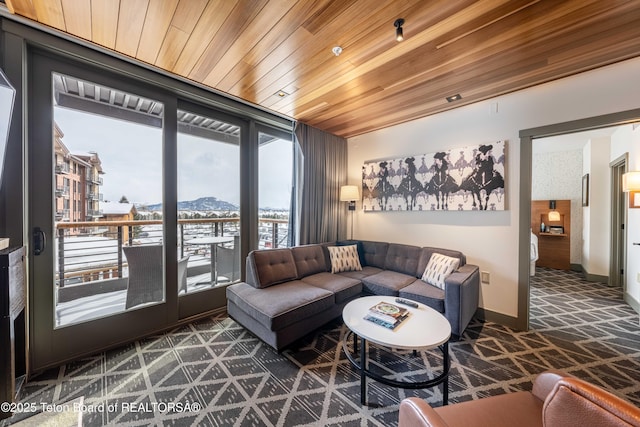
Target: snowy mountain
[[201, 204]]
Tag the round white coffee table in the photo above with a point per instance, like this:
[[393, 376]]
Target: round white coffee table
[[424, 329]]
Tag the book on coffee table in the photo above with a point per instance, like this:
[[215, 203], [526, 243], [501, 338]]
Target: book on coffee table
[[387, 315]]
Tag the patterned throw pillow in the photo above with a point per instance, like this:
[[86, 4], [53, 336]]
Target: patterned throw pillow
[[344, 258], [439, 268]]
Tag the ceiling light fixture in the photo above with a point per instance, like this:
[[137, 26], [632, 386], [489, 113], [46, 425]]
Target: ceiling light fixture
[[455, 97], [398, 24], [281, 94], [337, 50]]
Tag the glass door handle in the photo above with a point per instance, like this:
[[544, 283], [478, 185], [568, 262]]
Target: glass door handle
[[39, 241]]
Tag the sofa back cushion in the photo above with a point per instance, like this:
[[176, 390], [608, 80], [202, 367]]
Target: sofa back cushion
[[425, 256], [309, 259], [374, 253], [268, 267], [403, 259]]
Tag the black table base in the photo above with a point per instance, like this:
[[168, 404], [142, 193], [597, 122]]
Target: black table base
[[361, 366]]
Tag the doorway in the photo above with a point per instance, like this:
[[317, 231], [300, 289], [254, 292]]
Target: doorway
[[618, 221], [527, 137]]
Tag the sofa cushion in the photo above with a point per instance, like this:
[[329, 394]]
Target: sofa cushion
[[403, 259], [309, 259], [375, 253], [425, 293], [439, 268], [426, 253], [270, 267], [365, 272], [279, 306], [358, 243], [386, 282], [343, 288], [344, 258]]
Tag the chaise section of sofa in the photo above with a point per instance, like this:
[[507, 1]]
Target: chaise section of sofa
[[288, 294], [291, 292]]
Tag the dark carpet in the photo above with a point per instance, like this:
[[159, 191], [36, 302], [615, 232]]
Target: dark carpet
[[215, 373]]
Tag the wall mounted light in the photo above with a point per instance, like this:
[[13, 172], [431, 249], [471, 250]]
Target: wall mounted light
[[631, 181], [350, 193], [631, 185], [553, 214], [398, 24]]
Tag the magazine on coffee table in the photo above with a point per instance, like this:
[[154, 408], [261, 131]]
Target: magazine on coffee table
[[387, 314]]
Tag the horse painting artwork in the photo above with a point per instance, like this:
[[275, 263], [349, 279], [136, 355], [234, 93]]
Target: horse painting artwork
[[484, 178], [461, 179], [410, 186]]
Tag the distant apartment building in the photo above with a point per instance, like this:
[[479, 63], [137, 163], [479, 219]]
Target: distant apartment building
[[77, 180]]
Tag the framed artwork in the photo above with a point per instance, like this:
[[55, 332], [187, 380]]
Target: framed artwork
[[585, 190], [634, 199], [461, 179]]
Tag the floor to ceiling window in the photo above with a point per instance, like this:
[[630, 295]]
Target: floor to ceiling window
[[138, 193], [275, 180], [208, 201]]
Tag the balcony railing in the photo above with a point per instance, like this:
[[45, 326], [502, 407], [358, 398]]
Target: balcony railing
[[94, 179], [90, 251], [62, 168], [62, 214], [62, 191], [95, 196]]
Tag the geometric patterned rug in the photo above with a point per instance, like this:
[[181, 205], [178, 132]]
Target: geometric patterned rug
[[215, 373]]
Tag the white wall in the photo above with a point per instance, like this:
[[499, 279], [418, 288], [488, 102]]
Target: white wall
[[626, 140], [597, 215], [489, 239], [558, 176]]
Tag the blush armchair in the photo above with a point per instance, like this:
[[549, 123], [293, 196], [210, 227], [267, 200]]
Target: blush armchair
[[557, 400]]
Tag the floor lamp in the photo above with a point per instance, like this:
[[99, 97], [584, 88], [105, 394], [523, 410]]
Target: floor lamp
[[349, 193]]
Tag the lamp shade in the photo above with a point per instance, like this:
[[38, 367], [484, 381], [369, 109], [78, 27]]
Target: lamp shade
[[554, 216], [631, 181], [349, 193]]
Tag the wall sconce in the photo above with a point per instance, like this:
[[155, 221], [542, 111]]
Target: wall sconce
[[398, 24], [350, 193], [553, 215], [631, 185]]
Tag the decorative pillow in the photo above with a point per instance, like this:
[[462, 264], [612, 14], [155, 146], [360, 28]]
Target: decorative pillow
[[344, 258], [439, 268]]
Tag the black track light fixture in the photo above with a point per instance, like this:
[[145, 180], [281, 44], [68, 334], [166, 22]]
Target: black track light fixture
[[398, 24]]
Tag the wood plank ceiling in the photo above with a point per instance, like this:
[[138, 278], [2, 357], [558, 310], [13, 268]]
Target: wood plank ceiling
[[253, 49]]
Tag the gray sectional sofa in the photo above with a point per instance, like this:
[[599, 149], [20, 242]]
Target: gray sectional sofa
[[291, 292]]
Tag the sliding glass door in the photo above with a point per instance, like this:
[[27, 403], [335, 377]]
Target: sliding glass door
[[141, 205], [99, 257]]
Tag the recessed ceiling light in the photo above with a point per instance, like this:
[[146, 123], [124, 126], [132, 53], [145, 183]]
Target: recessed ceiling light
[[281, 94], [455, 97], [337, 50]]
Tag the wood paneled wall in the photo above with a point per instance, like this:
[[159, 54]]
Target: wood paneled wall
[[554, 250]]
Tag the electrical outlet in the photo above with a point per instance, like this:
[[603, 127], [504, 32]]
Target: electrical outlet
[[485, 277]]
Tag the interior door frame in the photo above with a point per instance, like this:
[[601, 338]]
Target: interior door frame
[[618, 234], [526, 137]]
